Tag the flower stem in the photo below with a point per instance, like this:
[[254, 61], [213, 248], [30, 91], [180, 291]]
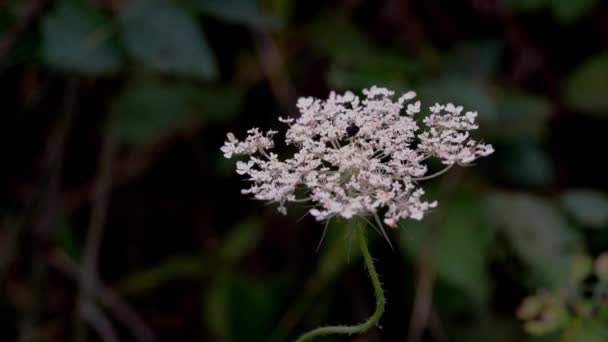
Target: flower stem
[[380, 302], [436, 174]]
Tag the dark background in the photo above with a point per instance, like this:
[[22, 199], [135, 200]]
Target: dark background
[[113, 113]]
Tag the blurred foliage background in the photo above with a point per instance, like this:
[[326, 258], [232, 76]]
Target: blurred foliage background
[[120, 220]]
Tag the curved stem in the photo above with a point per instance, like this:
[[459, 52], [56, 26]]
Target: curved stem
[[380, 301], [263, 152], [438, 173]]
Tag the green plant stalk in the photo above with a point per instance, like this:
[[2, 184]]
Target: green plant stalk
[[380, 302]]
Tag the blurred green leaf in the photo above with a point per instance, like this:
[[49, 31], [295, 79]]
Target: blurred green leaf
[[65, 239], [504, 114], [338, 250], [587, 206], [524, 164], [490, 327], [25, 51], [586, 331], [6, 22], [460, 250], [26, 48], [240, 241], [564, 11], [479, 58], [538, 232], [215, 309], [335, 257], [336, 37], [586, 88], [253, 307], [151, 111], [520, 116], [78, 37], [218, 103], [171, 269], [247, 12], [386, 70], [280, 9], [167, 38], [568, 11], [581, 266], [467, 92]]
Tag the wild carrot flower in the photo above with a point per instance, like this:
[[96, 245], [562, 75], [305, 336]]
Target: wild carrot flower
[[357, 157]]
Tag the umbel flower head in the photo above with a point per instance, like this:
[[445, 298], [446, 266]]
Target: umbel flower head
[[357, 157]]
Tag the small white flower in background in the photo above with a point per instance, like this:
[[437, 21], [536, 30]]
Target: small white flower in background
[[357, 157]]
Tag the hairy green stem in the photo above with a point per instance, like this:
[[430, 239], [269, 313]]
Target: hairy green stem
[[380, 301]]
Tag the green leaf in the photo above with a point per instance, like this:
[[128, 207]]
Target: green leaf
[[565, 11], [586, 331], [215, 308], [65, 239], [25, 49], [378, 67], [78, 37], [247, 12], [253, 307], [151, 112], [586, 88], [581, 266], [479, 58], [520, 116], [524, 164], [148, 112], [338, 38], [171, 269], [336, 253], [167, 38], [538, 232], [6, 22], [216, 103], [467, 92], [460, 250], [568, 11], [504, 114], [240, 241], [587, 206], [488, 327]]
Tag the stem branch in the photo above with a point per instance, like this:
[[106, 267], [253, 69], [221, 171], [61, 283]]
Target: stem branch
[[380, 302], [88, 280], [436, 174]]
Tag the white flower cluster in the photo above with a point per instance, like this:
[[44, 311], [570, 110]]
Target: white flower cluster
[[357, 157]]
